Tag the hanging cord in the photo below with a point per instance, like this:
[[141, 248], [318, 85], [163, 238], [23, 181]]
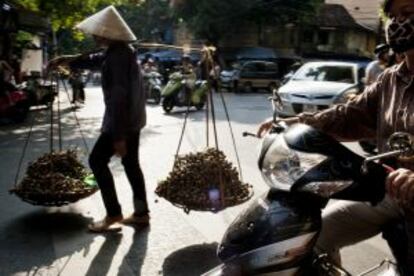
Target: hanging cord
[[73, 106], [230, 127], [59, 112], [213, 114], [181, 140], [51, 119], [207, 120], [19, 167], [182, 130]]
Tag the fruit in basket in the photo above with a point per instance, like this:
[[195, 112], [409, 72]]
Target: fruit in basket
[[56, 173], [204, 181]]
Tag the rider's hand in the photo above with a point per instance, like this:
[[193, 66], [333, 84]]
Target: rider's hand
[[264, 127], [120, 148], [400, 185], [267, 125]]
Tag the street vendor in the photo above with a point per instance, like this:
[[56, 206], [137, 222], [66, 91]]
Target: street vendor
[[124, 116], [384, 108]]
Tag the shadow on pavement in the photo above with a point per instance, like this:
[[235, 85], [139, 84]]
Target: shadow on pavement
[[103, 259], [191, 261], [135, 257], [27, 242]]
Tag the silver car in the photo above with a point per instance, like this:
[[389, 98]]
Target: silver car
[[319, 85]]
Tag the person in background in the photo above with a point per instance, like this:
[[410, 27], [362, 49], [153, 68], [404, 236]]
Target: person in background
[[150, 66], [15, 63], [385, 107], [124, 116], [78, 92], [6, 72], [376, 67]]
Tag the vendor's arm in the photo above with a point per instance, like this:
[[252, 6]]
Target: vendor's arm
[[91, 61]]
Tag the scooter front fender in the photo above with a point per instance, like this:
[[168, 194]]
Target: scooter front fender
[[199, 94], [171, 88]]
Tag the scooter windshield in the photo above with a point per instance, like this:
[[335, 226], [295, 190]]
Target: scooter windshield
[[282, 167]]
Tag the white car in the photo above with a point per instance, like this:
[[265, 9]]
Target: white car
[[319, 85]]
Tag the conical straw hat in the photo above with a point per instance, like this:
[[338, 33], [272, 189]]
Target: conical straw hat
[[107, 23]]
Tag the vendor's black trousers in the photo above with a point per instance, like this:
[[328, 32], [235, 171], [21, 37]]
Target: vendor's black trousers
[[99, 160]]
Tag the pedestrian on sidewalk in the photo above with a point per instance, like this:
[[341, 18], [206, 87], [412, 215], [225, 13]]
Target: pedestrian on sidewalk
[[124, 116], [76, 82]]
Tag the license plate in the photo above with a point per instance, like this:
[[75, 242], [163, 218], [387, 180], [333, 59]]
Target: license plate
[[310, 108]]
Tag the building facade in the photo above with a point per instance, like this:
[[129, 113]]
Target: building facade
[[365, 12]]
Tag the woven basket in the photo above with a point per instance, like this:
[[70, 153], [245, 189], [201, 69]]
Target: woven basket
[[196, 206], [50, 199]]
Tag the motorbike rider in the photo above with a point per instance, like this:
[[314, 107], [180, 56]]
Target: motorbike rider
[[150, 66], [376, 67], [385, 107], [187, 70]]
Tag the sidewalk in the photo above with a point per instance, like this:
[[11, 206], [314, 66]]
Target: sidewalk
[[54, 241]]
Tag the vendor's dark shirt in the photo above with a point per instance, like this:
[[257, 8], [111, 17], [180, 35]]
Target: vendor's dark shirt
[[122, 86]]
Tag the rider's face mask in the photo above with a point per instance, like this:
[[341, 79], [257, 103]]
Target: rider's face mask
[[400, 34]]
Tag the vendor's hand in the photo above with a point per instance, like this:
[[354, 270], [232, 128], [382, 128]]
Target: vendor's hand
[[267, 125], [120, 148], [400, 186]]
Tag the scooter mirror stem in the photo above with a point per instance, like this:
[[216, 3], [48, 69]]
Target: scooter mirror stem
[[379, 157], [245, 134]]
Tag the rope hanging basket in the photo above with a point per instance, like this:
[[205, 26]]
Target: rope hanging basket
[[55, 179], [204, 181]]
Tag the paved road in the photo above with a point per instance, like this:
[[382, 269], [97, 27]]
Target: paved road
[[53, 241]]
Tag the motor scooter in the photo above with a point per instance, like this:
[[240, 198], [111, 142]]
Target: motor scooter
[[14, 105], [180, 91], [152, 84], [39, 92], [304, 169]]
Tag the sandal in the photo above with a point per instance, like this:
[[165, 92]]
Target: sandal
[[137, 221], [108, 224]]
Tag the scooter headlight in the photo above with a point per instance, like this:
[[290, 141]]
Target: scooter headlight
[[282, 166]]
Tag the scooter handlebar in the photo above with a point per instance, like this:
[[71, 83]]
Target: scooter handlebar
[[246, 133]]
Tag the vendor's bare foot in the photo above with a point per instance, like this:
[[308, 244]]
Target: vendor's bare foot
[[108, 224], [137, 221]]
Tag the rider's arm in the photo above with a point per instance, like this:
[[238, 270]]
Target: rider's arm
[[354, 120]]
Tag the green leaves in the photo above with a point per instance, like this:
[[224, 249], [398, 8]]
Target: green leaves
[[65, 14], [213, 19]]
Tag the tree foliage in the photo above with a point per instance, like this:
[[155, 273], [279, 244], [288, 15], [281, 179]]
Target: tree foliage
[[213, 19], [148, 20], [65, 14]]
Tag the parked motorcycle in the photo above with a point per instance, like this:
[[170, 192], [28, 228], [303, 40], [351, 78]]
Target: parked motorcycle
[[305, 168], [39, 92], [180, 91], [153, 83], [14, 106]]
